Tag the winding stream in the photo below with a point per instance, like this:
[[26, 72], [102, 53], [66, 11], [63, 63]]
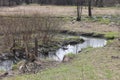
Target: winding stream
[[74, 49], [60, 53]]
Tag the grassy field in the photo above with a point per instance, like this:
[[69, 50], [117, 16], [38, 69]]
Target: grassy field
[[69, 14], [54, 10], [91, 64]]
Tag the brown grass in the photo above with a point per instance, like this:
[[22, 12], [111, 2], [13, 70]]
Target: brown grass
[[54, 10], [90, 27]]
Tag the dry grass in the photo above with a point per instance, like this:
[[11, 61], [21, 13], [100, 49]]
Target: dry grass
[[69, 11], [54, 10], [90, 27]]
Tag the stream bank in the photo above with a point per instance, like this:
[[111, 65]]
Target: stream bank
[[107, 35], [55, 52], [44, 51]]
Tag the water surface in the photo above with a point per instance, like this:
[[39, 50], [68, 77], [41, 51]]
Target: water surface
[[74, 49]]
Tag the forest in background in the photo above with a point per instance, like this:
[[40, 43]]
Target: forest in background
[[99, 3]]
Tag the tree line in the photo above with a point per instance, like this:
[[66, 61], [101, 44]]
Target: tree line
[[99, 3]]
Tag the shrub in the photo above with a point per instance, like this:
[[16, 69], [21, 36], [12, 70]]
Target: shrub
[[20, 31]]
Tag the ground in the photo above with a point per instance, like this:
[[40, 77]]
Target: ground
[[55, 10], [91, 64]]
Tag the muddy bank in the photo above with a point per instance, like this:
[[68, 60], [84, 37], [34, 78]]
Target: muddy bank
[[92, 34]]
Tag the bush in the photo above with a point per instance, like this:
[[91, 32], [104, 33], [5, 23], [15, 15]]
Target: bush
[[21, 31]]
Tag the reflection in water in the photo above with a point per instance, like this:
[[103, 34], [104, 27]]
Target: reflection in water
[[89, 42], [6, 65]]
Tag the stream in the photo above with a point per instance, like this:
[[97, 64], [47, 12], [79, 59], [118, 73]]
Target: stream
[[74, 49], [61, 52]]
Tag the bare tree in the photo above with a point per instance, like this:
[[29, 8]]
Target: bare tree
[[36, 46], [79, 10], [26, 29], [89, 8]]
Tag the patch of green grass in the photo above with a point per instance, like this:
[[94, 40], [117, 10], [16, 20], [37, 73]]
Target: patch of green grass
[[103, 19], [15, 66], [111, 35], [88, 19], [109, 41], [2, 71], [107, 35], [70, 55], [88, 49], [108, 74], [73, 38], [67, 18]]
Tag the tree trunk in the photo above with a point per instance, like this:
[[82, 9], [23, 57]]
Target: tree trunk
[[79, 10], [89, 8], [36, 47], [78, 13]]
